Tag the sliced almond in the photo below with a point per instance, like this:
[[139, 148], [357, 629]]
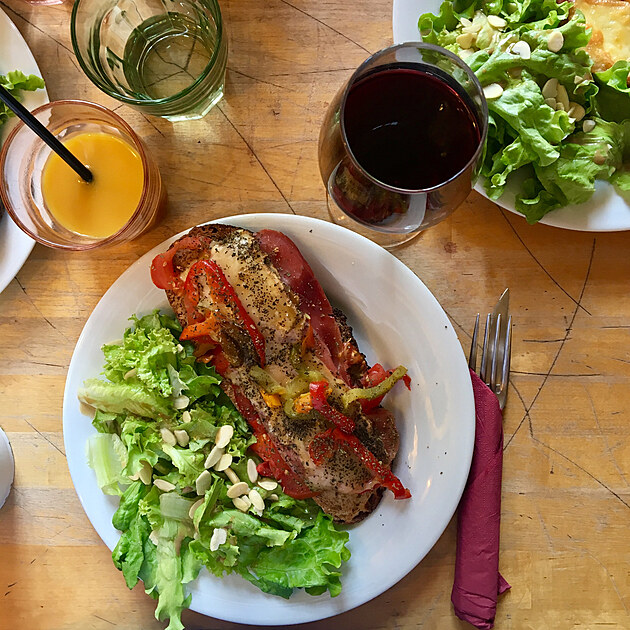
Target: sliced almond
[[179, 347], [241, 503], [219, 536], [494, 90], [181, 402], [465, 21], [560, 107], [163, 485], [194, 506], [465, 53], [576, 111], [268, 484], [182, 437], [203, 482], [563, 97], [252, 473], [224, 435], [256, 499], [231, 475], [186, 416], [274, 497], [238, 489], [464, 40], [588, 125], [167, 436], [550, 89], [522, 49], [224, 462], [215, 455], [153, 537], [146, 473], [551, 102], [130, 374], [599, 158], [496, 21], [555, 41]]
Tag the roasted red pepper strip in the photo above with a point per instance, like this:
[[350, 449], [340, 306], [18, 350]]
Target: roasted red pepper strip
[[384, 476], [273, 464], [375, 376], [201, 329], [322, 447], [162, 271], [222, 292], [321, 404], [291, 483]]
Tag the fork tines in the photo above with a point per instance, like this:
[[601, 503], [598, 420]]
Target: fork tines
[[495, 356]]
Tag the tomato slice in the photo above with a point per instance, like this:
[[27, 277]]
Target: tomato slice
[[162, 271]]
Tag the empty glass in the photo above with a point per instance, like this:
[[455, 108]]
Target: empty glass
[[163, 57], [402, 142]]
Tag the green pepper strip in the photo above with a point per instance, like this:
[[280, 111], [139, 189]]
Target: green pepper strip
[[369, 393]]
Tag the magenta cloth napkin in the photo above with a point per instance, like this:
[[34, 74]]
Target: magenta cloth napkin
[[477, 580]]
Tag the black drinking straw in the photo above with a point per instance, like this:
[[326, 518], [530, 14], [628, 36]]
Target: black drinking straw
[[32, 123]]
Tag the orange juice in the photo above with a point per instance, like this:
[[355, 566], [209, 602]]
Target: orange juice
[[103, 206]]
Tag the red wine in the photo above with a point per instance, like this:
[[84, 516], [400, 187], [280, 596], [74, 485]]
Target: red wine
[[410, 128]]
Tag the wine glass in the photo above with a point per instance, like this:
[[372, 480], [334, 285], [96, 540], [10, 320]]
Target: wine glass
[[402, 142]]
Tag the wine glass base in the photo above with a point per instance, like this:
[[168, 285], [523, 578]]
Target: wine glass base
[[387, 240]]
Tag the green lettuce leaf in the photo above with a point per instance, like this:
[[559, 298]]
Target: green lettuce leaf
[[107, 456], [122, 398], [311, 561], [616, 77], [15, 82], [584, 157]]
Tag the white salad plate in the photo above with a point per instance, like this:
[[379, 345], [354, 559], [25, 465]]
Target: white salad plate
[[396, 320], [605, 211], [15, 245]]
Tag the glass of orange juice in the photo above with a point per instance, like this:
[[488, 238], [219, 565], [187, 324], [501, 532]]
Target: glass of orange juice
[[53, 205]]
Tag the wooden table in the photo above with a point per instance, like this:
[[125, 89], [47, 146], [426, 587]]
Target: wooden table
[[566, 495]]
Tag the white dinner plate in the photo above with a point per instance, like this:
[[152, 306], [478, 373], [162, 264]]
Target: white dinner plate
[[15, 246], [396, 320], [605, 211]]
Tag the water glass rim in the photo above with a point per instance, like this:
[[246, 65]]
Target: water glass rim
[[4, 198], [461, 64], [105, 87]]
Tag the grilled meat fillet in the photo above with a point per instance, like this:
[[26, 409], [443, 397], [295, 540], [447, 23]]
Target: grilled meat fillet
[[265, 320]]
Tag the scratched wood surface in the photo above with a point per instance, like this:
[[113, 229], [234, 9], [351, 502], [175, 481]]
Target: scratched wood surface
[[566, 496]]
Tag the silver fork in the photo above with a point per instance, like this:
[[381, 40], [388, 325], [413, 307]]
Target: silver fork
[[497, 345]]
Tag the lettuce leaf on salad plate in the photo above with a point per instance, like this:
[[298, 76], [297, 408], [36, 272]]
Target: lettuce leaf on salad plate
[[158, 412], [555, 128]]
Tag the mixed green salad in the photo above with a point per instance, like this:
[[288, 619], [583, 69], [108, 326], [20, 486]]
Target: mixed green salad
[[550, 118], [173, 447], [15, 82]]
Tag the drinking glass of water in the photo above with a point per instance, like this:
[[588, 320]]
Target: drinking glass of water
[[163, 57], [402, 142]]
